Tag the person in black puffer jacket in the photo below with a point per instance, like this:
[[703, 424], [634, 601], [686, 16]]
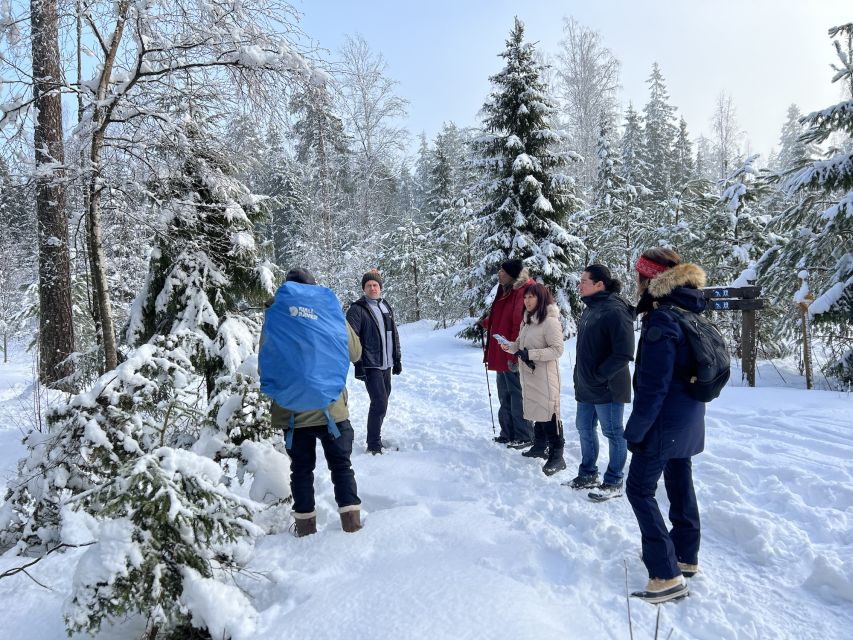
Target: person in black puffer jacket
[[605, 346], [372, 318], [667, 426]]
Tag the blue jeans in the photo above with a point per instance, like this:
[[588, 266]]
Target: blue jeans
[[610, 417], [303, 459], [511, 413]]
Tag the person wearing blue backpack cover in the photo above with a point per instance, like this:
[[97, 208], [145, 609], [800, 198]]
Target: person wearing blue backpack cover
[[667, 425], [306, 349]]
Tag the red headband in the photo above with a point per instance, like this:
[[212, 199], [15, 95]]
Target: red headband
[[650, 268]]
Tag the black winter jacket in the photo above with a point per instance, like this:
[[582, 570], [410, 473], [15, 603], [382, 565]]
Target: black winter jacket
[[363, 321], [605, 346]]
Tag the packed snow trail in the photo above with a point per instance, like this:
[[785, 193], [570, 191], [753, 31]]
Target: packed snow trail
[[467, 539]]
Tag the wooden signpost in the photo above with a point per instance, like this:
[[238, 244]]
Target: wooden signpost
[[747, 300]]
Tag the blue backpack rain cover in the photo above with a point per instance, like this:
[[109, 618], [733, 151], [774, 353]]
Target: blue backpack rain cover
[[304, 355]]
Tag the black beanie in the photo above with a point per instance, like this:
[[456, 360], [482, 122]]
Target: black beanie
[[373, 274], [300, 275], [512, 267]]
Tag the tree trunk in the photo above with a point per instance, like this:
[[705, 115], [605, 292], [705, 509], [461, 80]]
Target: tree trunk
[[94, 305], [97, 266], [56, 327], [100, 121]]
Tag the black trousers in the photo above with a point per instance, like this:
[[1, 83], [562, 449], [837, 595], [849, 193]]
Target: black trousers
[[662, 549], [548, 433], [303, 459], [378, 383]]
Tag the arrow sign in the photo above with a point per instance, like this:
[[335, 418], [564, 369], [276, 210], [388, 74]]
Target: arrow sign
[[751, 304], [731, 292]]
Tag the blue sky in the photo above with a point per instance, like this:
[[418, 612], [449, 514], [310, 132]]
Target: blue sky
[[765, 53]]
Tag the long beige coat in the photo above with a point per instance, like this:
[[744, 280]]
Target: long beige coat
[[540, 389]]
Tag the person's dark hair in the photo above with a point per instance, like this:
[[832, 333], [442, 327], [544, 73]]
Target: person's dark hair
[[373, 274], [298, 274], [600, 273], [543, 300]]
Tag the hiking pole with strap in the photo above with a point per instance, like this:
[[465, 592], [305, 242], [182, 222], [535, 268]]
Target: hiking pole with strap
[[488, 386]]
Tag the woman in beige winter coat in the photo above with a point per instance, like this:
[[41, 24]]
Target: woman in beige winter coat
[[539, 347]]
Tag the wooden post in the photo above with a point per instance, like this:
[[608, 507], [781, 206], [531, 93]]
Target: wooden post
[[747, 343], [747, 340], [747, 300]]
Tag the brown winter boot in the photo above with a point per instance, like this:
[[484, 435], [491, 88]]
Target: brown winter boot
[[304, 524], [662, 590], [350, 518]]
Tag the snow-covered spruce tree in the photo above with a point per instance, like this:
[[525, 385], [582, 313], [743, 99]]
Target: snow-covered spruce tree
[[322, 159], [404, 264], [735, 233], [660, 136], [447, 231], [527, 199], [616, 216], [733, 236], [116, 451], [633, 167], [818, 228], [206, 266], [684, 167]]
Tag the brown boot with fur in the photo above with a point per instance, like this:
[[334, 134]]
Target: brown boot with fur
[[350, 518], [304, 524], [662, 590]]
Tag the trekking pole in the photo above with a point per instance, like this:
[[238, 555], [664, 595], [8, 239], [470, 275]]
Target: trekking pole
[[488, 386]]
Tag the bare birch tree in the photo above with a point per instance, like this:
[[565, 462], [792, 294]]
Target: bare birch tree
[[372, 113], [727, 135], [587, 82]]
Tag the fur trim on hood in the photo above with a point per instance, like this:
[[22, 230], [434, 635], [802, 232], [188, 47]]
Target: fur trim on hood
[[522, 279], [681, 275]]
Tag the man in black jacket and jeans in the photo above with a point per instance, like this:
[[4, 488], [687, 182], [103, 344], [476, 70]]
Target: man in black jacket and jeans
[[372, 319], [605, 346]]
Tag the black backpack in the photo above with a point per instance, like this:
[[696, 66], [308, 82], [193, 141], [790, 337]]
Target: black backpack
[[711, 360]]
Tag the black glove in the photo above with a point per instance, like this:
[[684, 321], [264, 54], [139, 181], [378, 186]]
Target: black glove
[[635, 447], [397, 369], [522, 355], [360, 374]]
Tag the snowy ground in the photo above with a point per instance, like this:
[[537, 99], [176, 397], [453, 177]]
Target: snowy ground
[[466, 539]]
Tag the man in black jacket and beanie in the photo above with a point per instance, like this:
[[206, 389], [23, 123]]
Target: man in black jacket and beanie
[[372, 318], [605, 346]]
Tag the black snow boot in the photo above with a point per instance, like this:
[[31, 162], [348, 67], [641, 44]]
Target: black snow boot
[[540, 442], [536, 451], [555, 461]]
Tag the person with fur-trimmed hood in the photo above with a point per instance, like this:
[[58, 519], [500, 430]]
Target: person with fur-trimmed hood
[[504, 319], [372, 318], [667, 426]]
